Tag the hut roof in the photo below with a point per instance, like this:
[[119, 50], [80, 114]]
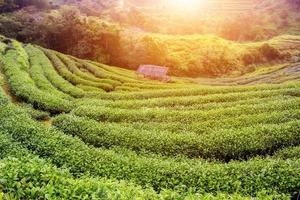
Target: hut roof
[[153, 70]]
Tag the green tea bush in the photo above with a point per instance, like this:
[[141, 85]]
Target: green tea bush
[[204, 127], [230, 103], [24, 87], [224, 144], [22, 57], [101, 113], [37, 60], [100, 71], [3, 97], [35, 114], [119, 72], [126, 89], [58, 81], [157, 86], [248, 178], [184, 101], [196, 90], [289, 153], [124, 137], [41, 179], [73, 78], [10, 148], [74, 67], [95, 71], [91, 89]]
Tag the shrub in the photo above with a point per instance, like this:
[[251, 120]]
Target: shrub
[[217, 143], [35, 114], [37, 61], [155, 171], [57, 81], [39, 179], [3, 97], [102, 113], [43, 179], [15, 66], [73, 77], [269, 53], [252, 57]]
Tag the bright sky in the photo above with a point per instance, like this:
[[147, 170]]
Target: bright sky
[[186, 5]]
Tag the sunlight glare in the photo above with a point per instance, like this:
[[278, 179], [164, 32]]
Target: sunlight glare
[[186, 5]]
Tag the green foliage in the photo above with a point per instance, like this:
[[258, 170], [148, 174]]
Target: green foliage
[[35, 114], [3, 97], [205, 127], [39, 179], [88, 37], [186, 55], [11, 5], [94, 81], [176, 140], [32, 178], [56, 80], [24, 87], [74, 78], [8, 147], [23, 26], [37, 59], [152, 170], [189, 98], [8, 5], [195, 90], [156, 115], [222, 144], [289, 153]]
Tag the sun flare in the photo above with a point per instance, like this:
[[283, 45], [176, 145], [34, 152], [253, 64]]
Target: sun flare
[[185, 4]]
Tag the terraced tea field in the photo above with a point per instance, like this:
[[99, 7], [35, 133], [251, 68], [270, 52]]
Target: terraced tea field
[[76, 129]]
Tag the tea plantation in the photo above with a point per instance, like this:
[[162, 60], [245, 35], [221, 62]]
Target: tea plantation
[[76, 129]]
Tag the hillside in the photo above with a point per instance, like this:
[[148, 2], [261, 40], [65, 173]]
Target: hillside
[[240, 20], [77, 129], [78, 122], [218, 39], [205, 55]]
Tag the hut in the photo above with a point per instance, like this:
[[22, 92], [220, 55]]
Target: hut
[[154, 72]]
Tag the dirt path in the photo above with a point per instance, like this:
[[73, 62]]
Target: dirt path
[[5, 87], [283, 74]]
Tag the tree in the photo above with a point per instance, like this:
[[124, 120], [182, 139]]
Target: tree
[[12, 5]]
